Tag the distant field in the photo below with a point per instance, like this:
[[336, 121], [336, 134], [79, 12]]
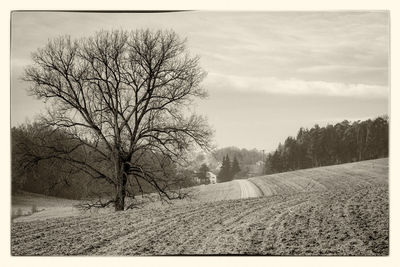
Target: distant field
[[216, 192], [336, 210], [344, 176], [44, 207], [52, 207]]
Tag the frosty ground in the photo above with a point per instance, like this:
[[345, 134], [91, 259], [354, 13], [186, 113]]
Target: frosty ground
[[335, 210]]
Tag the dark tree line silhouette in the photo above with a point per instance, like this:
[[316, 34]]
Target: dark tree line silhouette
[[35, 170], [54, 177], [228, 169], [334, 144]]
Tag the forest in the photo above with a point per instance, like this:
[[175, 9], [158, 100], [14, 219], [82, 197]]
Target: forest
[[35, 168], [319, 146], [333, 144]]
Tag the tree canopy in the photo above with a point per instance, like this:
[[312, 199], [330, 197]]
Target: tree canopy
[[122, 98]]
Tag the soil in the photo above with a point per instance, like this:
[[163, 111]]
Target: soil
[[338, 210]]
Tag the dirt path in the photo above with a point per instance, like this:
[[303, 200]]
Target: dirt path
[[248, 189]]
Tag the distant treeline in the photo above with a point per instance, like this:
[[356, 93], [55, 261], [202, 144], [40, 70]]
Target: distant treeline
[[246, 161], [334, 144], [36, 169], [243, 155], [228, 169]]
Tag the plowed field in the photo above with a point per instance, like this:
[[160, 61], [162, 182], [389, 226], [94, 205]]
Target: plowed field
[[338, 210]]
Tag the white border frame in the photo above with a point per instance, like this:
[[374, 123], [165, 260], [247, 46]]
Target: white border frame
[[286, 5]]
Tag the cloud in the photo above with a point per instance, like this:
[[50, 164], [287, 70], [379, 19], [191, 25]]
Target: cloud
[[274, 85], [343, 47], [338, 68]]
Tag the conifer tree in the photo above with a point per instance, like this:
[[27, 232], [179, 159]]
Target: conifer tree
[[224, 173], [235, 169]]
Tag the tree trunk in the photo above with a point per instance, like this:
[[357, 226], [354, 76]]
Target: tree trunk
[[120, 196], [121, 187]]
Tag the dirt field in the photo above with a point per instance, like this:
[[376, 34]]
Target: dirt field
[[30, 206], [249, 189], [338, 210]]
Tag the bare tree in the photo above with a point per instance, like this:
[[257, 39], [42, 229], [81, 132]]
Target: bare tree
[[124, 100]]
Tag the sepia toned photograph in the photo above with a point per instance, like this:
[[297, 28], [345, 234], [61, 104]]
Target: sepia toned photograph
[[200, 133]]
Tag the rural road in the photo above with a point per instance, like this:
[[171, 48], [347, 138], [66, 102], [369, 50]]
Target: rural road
[[248, 189]]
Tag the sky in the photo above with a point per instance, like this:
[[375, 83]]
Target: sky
[[268, 73]]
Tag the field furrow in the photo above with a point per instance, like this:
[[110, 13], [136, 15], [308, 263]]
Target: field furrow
[[323, 211]]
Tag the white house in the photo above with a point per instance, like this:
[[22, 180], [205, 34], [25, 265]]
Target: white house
[[211, 177]]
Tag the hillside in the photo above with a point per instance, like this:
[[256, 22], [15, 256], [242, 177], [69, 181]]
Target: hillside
[[350, 175], [336, 210], [27, 206]]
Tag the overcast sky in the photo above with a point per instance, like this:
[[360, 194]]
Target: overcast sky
[[269, 73]]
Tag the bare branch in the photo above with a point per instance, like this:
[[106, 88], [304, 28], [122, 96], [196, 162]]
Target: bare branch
[[119, 96]]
